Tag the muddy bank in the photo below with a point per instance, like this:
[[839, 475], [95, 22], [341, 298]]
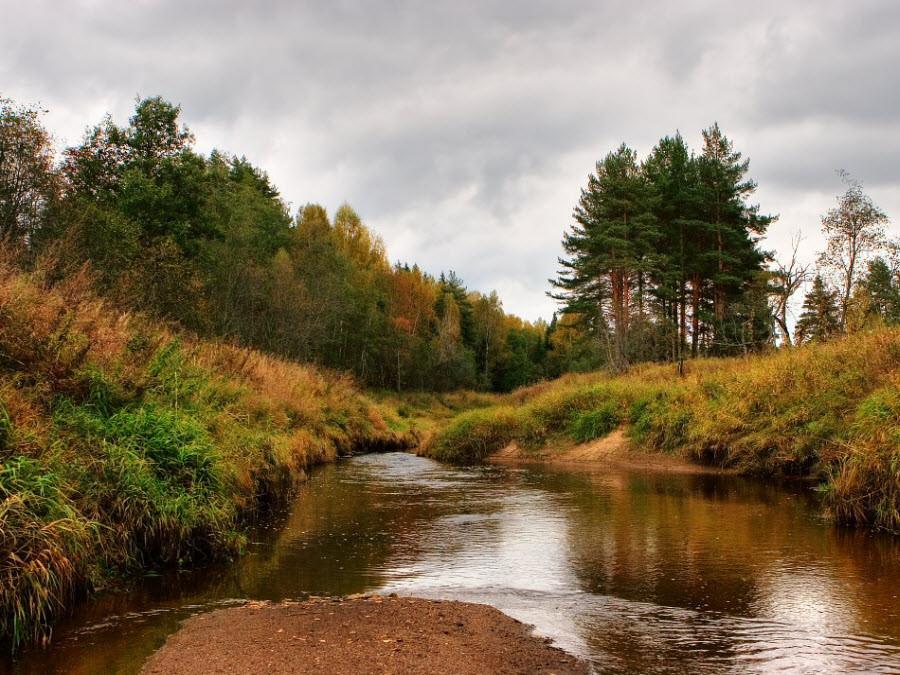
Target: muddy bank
[[613, 451], [370, 634]]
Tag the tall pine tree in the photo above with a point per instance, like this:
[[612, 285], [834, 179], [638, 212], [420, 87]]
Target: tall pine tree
[[727, 252], [611, 247], [672, 171]]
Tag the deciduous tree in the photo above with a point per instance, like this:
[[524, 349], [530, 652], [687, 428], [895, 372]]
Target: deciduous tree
[[854, 230], [28, 180]]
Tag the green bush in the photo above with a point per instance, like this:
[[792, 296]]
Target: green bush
[[590, 424], [160, 480], [474, 435]]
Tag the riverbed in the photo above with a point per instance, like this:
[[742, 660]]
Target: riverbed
[[630, 570]]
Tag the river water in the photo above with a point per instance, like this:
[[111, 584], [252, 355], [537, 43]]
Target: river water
[[635, 571]]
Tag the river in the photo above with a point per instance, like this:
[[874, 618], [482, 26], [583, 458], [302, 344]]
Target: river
[[634, 571]]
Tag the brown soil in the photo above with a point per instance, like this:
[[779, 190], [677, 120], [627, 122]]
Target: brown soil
[[614, 450], [370, 634]]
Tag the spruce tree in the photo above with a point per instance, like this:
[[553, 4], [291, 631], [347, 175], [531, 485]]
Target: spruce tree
[[451, 286], [883, 290], [820, 318]]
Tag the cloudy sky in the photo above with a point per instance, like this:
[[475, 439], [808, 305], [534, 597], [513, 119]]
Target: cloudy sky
[[463, 131]]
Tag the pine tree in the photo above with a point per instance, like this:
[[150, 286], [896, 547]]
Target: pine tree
[[728, 254], [672, 171], [819, 320], [610, 247]]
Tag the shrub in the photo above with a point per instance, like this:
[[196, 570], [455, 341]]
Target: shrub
[[474, 435], [865, 484], [590, 424]]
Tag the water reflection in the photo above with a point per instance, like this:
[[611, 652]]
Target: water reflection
[[635, 571]]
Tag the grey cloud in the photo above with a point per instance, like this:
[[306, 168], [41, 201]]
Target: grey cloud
[[462, 131]]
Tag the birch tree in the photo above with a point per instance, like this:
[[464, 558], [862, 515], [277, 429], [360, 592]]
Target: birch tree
[[854, 230]]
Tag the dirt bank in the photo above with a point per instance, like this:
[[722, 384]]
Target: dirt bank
[[615, 450], [358, 635]]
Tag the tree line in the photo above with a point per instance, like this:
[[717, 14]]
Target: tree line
[[663, 261], [207, 242]]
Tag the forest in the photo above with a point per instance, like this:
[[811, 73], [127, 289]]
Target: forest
[[663, 260], [208, 243]]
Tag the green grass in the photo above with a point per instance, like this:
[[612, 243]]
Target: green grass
[[583, 408], [830, 413], [588, 425]]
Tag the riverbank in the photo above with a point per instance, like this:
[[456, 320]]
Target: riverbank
[[615, 451], [369, 634], [127, 446], [829, 413]]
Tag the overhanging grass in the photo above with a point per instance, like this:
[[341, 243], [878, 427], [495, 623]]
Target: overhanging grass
[[47, 546]]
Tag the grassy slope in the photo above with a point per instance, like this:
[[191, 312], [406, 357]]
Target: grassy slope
[[123, 445], [829, 412], [425, 413]]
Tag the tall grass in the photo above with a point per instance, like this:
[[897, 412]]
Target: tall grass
[[124, 444], [827, 412], [46, 544]]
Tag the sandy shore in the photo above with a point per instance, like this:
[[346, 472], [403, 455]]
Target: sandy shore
[[370, 634], [613, 451]]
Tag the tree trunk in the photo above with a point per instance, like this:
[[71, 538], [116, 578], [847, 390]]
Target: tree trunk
[[781, 318], [718, 299], [682, 328], [695, 315], [620, 318], [848, 284]]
